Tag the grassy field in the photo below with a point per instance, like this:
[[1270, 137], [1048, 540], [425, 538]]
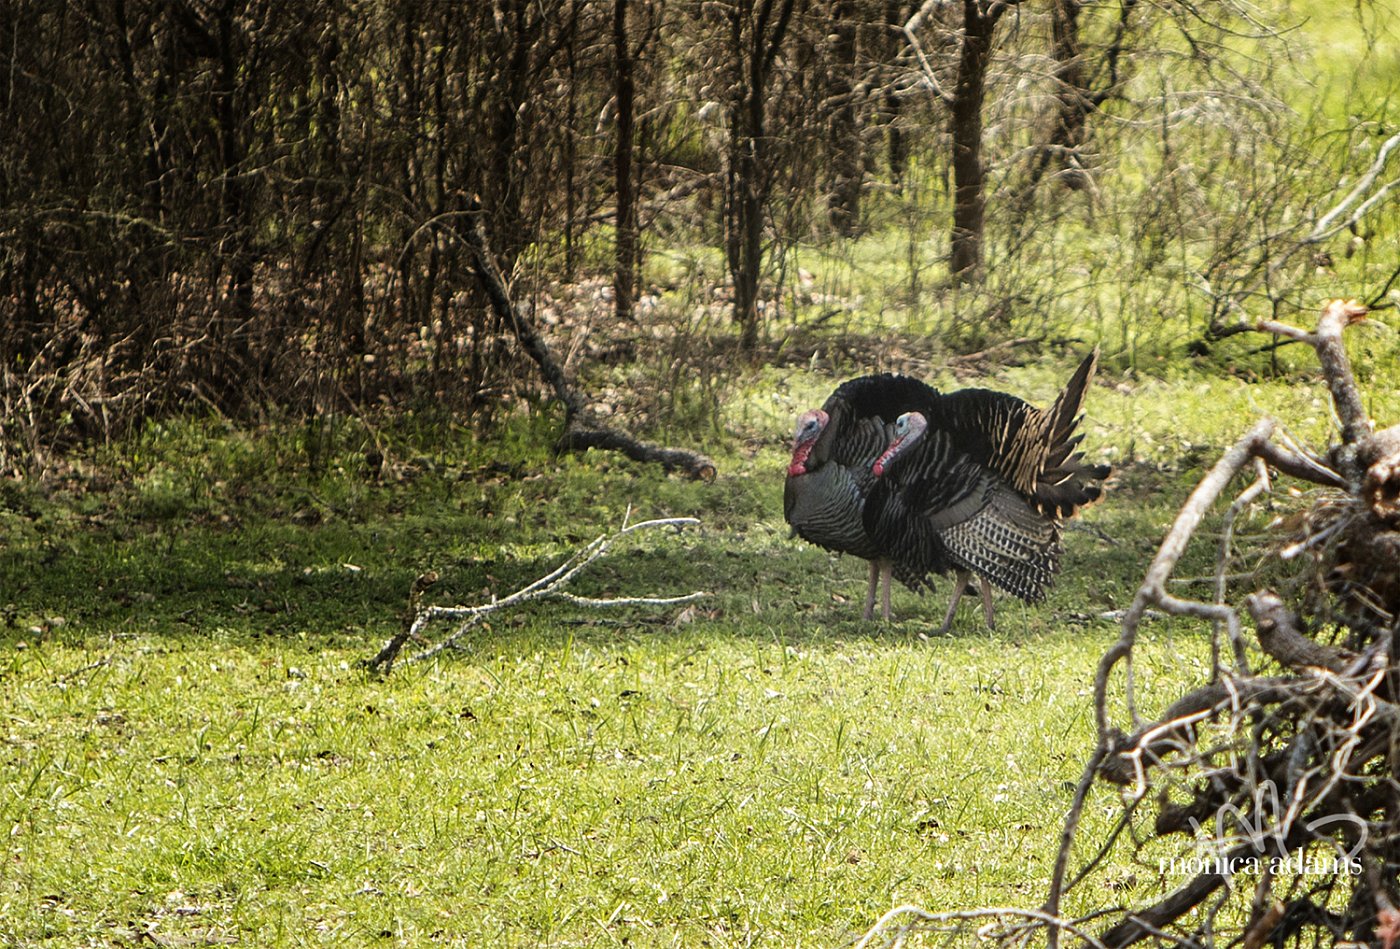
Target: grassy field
[[194, 755]]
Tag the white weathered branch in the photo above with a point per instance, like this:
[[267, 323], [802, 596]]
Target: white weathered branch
[[1327, 225], [910, 30], [898, 924], [549, 586]]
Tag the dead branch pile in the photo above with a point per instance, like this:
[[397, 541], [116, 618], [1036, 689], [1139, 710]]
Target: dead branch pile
[[1279, 774], [1261, 808]]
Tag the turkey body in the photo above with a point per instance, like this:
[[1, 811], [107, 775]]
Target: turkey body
[[830, 474], [980, 483]]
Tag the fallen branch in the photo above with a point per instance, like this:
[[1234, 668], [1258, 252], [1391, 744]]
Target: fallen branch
[[1279, 634], [1131, 757], [997, 350], [902, 921], [581, 429], [549, 586], [581, 438], [73, 674]]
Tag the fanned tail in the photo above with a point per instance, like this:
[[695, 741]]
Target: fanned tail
[[1065, 482]]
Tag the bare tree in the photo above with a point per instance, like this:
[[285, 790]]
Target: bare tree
[[756, 33], [973, 43], [843, 90], [979, 22], [1081, 86]]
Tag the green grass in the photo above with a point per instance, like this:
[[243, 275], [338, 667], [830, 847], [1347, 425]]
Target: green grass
[[191, 749], [667, 788]]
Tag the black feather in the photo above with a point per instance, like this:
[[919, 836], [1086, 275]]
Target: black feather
[[986, 488]]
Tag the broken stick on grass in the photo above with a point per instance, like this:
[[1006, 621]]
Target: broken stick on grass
[[551, 586]]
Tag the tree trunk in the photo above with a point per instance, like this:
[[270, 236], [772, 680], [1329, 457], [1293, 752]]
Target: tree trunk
[[1072, 101], [749, 225], [231, 377], [969, 176], [896, 144], [1075, 98], [571, 149], [1072, 95], [503, 185], [848, 158], [756, 46], [625, 264]]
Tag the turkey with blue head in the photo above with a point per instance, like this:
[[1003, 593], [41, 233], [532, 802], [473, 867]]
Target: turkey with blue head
[[829, 476]]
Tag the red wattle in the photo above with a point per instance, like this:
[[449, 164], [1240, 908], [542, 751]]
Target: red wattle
[[798, 465]]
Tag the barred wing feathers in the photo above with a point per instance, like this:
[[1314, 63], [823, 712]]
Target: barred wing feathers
[[943, 510]]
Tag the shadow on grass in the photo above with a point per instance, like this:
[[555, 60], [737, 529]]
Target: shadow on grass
[[344, 579], [266, 569]]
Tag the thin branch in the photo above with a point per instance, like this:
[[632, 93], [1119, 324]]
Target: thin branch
[[910, 29], [1153, 589], [1326, 227], [629, 600], [1282, 329], [1297, 463], [550, 586], [1227, 534], [1377, 301], [905, 920], [74, 673]]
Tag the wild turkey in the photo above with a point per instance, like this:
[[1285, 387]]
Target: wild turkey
[[981, 485], [830, 472]]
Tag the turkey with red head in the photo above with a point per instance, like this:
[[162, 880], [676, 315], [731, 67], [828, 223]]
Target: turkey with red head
[[981, 483], [830, 473]]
